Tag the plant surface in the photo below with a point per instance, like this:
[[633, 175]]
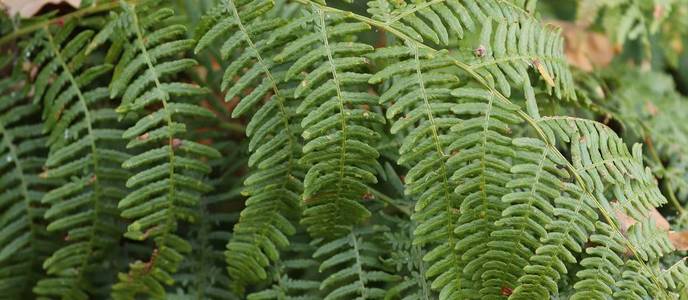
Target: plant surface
[[383, 149]]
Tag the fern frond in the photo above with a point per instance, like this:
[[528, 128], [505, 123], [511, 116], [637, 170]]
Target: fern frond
[[634, 283], [339, 124], [676, 276], [608, 272], [24, 240], [293, 277], [439, 21], [86, 151], [421, 87], [408, 261], [573, 224], [510, 40], [508, 49], [529, 209], [169, 167], [635, 278], [604, 164], [483, 164], [602, 265], [202, 273], [353, 265], [651, 242], [605, 271], [602, 159], [653, 122], [233, 178], [275, 184]]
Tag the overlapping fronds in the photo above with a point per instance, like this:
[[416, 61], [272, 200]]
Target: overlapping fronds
[[647, 111], [24, 240], [638, 283], [602, 265], [603, 161], [650, 242], [407, 260], [676, 276], [294, 278], [139, 173], [339, 122], [482, 160], [573, 224], [508, 49], [608, 273], [530, 202], [353, 265], [169, 166], [440, 21], [459, 151], [201, 273], [275, 183], [420, 89], [86, 152], [510, 41], [604, 166]]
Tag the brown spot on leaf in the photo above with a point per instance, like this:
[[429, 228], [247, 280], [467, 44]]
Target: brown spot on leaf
[[506, 291], [143, 137], [651, 108], [658, 12], [480, 51], [176, 143], [368, 196]]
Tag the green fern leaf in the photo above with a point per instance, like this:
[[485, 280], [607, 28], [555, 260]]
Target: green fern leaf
[[87, 154], [603, 162], [169, 167], [24, 238], [202, 275], [482, 164], [275, 185], [408, 260], [529, 209], [353, 267], [422, 90], [501, 55], [286, 287], [602, 265], [338, 126]]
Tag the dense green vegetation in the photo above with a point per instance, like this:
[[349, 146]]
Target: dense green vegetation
[[382, 149]]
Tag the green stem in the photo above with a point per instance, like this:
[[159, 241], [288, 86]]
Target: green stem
[[389, 201], [74, 15]]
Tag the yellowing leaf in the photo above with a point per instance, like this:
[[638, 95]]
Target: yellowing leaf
[[545, 75]]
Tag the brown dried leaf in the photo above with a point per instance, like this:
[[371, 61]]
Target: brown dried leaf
[[678, 239], [585, 49], [28, 8], [626, 220]]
